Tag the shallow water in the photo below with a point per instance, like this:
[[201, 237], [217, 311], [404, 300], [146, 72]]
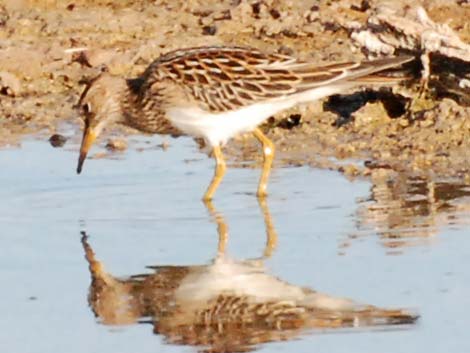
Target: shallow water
[[396, 244]]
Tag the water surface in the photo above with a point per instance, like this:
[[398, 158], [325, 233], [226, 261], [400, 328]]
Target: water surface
[[394, 243]]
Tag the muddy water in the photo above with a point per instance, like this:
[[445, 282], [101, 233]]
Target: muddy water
[[395, 243]]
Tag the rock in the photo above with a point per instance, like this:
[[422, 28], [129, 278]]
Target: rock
[[94, 57], [369, 116], [9, 84], [116, 145], [57, 140]]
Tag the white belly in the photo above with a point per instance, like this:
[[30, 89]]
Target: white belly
[[218, 128]]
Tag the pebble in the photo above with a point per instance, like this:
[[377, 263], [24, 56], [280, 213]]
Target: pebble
[[116, 145], [9, 84], [57, 140]]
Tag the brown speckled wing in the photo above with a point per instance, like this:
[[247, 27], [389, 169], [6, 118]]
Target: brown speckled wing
[[226, 78]]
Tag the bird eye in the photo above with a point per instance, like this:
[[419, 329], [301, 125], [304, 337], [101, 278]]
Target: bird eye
[[86, 108]]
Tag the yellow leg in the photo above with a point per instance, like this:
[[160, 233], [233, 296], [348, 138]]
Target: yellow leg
[[222, 229], [268, 154], [218, 175], [271, 235]]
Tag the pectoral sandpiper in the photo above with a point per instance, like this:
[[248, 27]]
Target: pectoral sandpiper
[[215, 93]]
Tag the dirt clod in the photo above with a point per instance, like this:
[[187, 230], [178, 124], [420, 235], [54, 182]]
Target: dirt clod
[[9, 84], [57, 140], [116, 144]]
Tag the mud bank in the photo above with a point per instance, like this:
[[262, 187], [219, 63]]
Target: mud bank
[[42, 61]]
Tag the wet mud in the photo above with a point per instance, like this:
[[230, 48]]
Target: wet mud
[[47, 48]]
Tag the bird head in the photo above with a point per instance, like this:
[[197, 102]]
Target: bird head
[[100, 105]]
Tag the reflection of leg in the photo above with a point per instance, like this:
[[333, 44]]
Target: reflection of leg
[[218, 174], [271, 235], [222, 228], [268, 155], [96, 268]]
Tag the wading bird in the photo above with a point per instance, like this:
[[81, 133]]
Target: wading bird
[[215, 93]]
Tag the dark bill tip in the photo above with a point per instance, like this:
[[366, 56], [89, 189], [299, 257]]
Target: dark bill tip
[[88, 139], [81, 160]]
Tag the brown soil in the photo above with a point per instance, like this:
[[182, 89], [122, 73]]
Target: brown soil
[[41, 68]]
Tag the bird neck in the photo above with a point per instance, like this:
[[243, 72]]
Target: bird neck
[[129, 102]]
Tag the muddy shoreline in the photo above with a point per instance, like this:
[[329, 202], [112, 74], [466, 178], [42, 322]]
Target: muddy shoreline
[[42, 64]]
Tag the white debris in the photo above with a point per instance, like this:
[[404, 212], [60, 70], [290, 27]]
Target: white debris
[[390, 29]]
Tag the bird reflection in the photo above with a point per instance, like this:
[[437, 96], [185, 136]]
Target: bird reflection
[[405, 210], [227, 305]]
